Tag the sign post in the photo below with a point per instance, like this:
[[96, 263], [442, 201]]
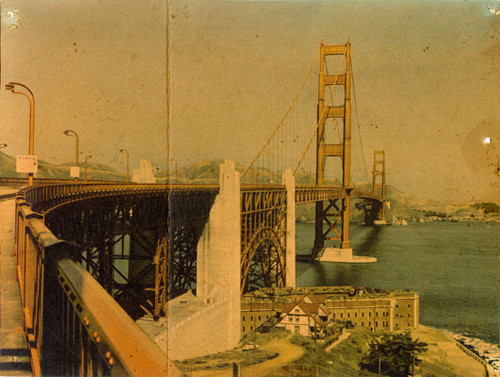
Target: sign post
[[74, 172], [27, 164]]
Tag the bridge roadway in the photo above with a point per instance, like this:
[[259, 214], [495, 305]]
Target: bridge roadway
[[303, 193], [14, 353], [46, 198], [80, 315]]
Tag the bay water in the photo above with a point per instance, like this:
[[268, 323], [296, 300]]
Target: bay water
[[454, 266]]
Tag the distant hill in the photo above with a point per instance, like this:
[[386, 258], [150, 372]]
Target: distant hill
[[207, 171], [401, 205], [95, 171]]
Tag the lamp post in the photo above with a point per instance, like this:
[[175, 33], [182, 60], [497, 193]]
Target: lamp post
[[31, 97], [75, 135], [86, 158], [128, 161]]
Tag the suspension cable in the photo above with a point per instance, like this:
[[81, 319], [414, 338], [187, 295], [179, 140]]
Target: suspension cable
[[322, 116], [284, 116], [357, 122]]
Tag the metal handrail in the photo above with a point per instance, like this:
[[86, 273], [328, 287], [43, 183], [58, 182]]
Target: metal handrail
[[120, 343], [113, 345]]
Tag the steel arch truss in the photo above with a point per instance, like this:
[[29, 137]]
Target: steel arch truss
[[182, 253], [263, 264], [263, 233], [124, 230]]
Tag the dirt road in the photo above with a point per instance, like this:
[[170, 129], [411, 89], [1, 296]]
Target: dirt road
[[287, 351]]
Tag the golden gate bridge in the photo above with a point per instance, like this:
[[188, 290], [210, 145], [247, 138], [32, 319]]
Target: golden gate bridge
[[147, 245]]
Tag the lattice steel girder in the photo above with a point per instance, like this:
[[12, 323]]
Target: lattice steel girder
[[263, 236], [182, 256], [365, 194], [93, 221], [336, 214], [336, 209], [263, 260], [371, 209], [308, 194]]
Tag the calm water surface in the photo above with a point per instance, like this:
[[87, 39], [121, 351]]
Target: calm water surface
[[453, 266]]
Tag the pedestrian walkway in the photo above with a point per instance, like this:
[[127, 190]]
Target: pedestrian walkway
[[14, 353]]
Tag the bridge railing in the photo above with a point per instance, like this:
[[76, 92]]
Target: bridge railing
[[73, 327], [309, 194], [46, 181], [92, 333], [44, 197]]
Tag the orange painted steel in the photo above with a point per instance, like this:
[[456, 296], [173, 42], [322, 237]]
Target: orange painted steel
[[64, 307]]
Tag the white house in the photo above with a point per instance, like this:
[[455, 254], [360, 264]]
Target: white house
[[305, 317]]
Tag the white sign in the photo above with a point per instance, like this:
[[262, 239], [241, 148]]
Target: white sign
[[74, 172], [26, 164]]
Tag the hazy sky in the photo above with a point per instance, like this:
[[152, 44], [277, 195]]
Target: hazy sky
[[96, 67], [427, 79]]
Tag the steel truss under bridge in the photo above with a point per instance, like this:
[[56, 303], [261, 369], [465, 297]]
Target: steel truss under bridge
[[117, 230]]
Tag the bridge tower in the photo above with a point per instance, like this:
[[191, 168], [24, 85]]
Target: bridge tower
[[336, 212], [378, 184]]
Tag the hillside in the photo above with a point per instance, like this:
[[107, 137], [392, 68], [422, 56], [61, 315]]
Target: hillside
[[401, 205], [95, 171]]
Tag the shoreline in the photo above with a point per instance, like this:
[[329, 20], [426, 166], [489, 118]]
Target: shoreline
[[488, 352]]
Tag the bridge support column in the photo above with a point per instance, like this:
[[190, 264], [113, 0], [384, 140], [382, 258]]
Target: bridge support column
[[219, 247], [210, 322], [289, 182]]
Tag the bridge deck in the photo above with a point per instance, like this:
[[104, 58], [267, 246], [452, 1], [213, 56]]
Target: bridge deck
[[14, 353]]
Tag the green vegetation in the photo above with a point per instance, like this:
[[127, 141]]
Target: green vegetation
[[487, 207], [343, 360], [393, 355], [226, 359], [435, 214]]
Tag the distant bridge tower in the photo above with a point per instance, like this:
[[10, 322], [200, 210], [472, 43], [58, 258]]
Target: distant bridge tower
[[379, 180], [337, 211]]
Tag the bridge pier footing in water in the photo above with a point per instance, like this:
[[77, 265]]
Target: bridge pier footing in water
[[338, 255]]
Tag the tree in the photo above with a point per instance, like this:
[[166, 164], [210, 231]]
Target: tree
[[393, 355]]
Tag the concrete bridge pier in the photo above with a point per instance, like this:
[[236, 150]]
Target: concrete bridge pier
[[210, 322], [219, 249]]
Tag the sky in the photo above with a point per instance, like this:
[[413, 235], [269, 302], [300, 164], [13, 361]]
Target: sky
[[95, 67], [427, 79]]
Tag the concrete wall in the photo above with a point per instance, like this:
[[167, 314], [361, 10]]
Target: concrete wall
[[198, 328], [212, 322]]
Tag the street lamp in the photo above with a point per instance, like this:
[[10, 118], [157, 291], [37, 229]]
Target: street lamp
[[31, 97], [128, 161], [75, 135], [86, 158]]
